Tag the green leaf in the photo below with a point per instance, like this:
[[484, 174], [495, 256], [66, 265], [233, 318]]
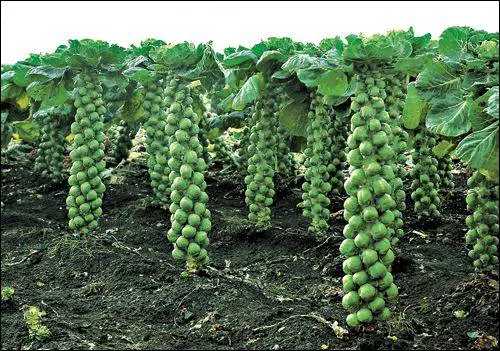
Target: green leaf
[[450, 117], [132, 110], [437, 81], [48, 72], [139, 74], [7, 76], [94, 54], [333, 83], [414, 65], [492, 108], [10, 92], [238, 58], [414, 109], [453, 43], [268, 58], [259, 49], [310, 76], [49, 93], [175, 56], [218, 124], [474, 80], [442, 148], [281, 75], [488, 50], [26, 130], [480, 149], [226, 103], [19, 77], [284, 45], [249, 92], [477, 115], [297, 62], [328, 44], [293, 118]]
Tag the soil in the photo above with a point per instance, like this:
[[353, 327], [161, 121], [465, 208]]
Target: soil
[[274, 289]]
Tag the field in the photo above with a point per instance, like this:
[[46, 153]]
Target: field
[[274, 289]]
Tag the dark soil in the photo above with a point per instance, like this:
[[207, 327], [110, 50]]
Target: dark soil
[[276, 289]]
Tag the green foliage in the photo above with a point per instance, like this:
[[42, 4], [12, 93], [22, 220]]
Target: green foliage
[[482, 237], [86, 187], [328, 74], [33, 318], [457, 86], [293, 116], [249, 92], [190, 219], [480, 148], [370, 208]]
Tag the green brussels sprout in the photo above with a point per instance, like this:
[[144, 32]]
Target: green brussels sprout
[[364, 315], [367, 291], [351, 301], [352, 320]]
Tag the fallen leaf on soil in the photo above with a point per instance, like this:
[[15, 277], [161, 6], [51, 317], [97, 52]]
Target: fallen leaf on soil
[[339, 331], [485, 342], [493, 283], [460, 314], [420, 234]]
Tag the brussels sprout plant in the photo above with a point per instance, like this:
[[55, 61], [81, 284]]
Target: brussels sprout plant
[[357, 106]]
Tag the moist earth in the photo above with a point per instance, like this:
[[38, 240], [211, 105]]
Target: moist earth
[[273, 289]]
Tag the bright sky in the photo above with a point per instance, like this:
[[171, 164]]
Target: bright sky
[[28, 26]]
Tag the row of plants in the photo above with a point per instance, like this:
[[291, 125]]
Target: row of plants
[[359, 105]]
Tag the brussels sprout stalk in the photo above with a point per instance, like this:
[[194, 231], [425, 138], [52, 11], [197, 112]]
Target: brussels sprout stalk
[[190, 218], [425, 176], [337, 132], [370, 208], [87, 189], [316, 188], [446, 184], [121, 141], [482, 199], [260, 185], [52, 148], [156, 139]]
